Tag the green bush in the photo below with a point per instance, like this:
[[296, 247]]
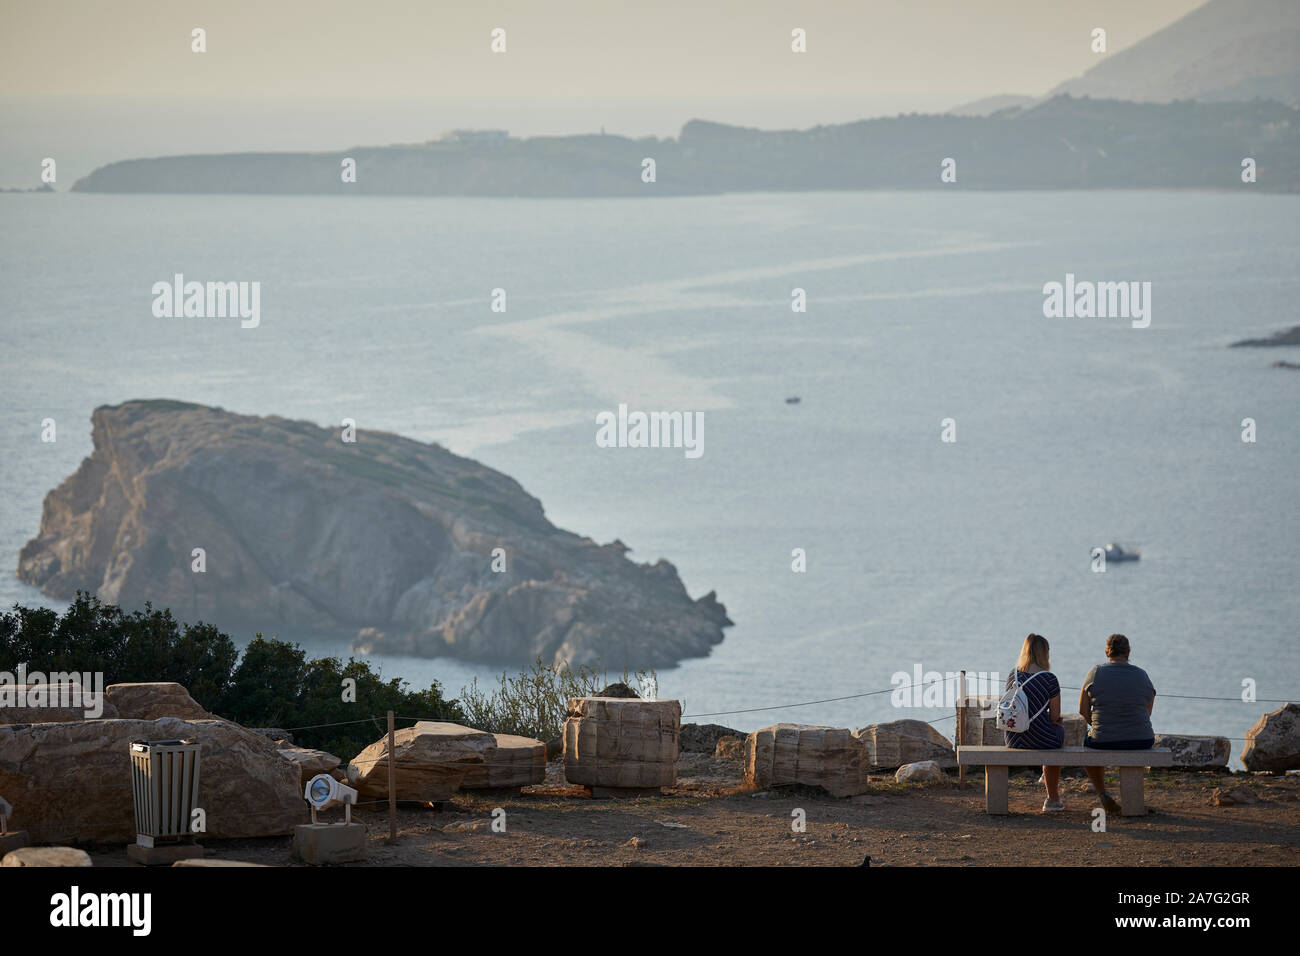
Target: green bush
[[535, 702], [273, 684], [143, 645]]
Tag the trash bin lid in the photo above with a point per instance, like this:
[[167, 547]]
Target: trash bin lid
[[143, 745]]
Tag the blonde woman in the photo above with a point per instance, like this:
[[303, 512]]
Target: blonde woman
[[1043, 690]]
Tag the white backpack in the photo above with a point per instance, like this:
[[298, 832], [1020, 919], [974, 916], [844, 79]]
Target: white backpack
[[1013, 708]]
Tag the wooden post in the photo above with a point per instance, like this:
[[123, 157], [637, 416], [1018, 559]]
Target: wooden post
[[392, 782], [961, 730]]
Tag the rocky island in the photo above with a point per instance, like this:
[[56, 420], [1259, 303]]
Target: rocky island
[[1289, 337], [280, 526]]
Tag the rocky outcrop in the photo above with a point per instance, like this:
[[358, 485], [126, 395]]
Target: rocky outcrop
[[71, 782], [1197, 751], [153, 701], [620, 743], [386, 539], [831, 758], [703, 738], [1274, 742], [902, 742], [431, 761]]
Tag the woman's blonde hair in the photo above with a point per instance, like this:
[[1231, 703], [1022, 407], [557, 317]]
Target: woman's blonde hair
[[1035, 649]]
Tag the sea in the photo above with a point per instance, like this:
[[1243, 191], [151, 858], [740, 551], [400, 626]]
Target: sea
[[850, 542]]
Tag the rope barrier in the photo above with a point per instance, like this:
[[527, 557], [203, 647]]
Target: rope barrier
[[341, 723], [813, 703]]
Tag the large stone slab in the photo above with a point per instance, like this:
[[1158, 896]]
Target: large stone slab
[[209, 861], [309, 762], [832, 758], [516, 762], [1197, 751], [982, 725], [899, 742], [327, 844], [153, 701], [71, 782], [1076, 728], [1274, 742], [431, 761], [622, 743], [47, 856]]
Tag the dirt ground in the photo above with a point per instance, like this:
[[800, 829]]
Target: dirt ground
[[710, 819]]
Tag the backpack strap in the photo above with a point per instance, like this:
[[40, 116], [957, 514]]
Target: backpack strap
[[1046, 704], [1031, 677]]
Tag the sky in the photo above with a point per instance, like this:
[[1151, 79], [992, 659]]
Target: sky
[[101, 81]]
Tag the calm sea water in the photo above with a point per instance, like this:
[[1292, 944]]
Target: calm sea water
[[923, 306]]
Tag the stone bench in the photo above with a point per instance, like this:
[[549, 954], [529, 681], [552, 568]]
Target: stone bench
[[1132, 766]]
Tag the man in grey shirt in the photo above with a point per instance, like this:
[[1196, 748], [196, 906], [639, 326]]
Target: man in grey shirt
[[1116, 702]]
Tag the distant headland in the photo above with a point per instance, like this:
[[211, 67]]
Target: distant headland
[[1061, 143]]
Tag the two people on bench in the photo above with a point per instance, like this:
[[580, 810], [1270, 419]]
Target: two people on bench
[[1115, 701]]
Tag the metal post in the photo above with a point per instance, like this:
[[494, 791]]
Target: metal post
[[961, 730]]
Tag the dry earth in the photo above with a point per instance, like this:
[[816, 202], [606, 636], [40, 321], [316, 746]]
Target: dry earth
[[710, 819]]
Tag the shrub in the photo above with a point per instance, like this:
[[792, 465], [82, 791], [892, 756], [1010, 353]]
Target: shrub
[[535, 702]]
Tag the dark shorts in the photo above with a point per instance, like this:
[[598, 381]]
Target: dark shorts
[[1119, 744]]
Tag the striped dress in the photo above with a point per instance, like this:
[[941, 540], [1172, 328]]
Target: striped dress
[[1042, 733]]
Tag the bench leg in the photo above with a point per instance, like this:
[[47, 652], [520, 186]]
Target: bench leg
[[1130, 790], [995, 789]]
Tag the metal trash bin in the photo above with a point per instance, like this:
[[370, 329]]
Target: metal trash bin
[[165, 786]]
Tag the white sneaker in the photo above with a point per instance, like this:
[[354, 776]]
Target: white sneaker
[[1050, 805]]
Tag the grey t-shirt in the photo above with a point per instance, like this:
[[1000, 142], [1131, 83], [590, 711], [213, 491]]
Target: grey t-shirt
[[1120, 694]]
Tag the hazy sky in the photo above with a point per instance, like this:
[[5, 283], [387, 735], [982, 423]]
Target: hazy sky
[[324, 74], [560, 48]]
